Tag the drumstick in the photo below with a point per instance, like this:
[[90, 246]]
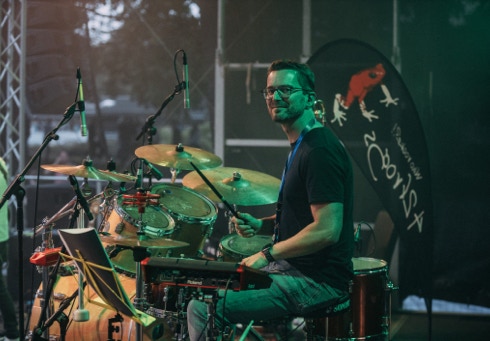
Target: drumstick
[[218, 194]]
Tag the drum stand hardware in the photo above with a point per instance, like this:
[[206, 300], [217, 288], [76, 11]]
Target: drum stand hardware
[[141, 200], [58, 316], [47, 260], [210, 299], [390, 287]]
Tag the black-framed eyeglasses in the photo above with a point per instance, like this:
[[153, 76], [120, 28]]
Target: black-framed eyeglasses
[[284, 91]]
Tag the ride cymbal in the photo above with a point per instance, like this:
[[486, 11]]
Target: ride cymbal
[[143, 241], [178, 156], [238, 186], [88, 171]]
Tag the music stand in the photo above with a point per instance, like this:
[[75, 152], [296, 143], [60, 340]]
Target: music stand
[[86, 249]]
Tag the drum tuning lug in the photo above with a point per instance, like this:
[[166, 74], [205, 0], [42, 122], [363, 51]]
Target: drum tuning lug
[[119, 228], [391, 287]]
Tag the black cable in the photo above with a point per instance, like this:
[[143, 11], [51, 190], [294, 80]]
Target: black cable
[[224, 306], [373, 234], [175, 69]]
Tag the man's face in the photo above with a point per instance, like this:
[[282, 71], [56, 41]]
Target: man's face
[[283, 109]]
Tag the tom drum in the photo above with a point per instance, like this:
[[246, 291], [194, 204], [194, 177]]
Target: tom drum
[[193, 213], [233, 248]]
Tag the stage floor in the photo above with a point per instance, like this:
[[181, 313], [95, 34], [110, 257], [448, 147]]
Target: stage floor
[[409, 326], [415, 327]]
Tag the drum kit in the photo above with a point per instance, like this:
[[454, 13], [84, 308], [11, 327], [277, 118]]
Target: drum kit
[[165, 219], [172, 220]]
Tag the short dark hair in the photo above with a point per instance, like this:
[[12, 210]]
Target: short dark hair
[[306, 77]]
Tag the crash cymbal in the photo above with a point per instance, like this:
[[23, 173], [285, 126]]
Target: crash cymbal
[[238, 186], [143, 241], [178, 156], [88, 171]]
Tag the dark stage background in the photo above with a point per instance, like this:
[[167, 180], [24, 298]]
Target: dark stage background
[[442, 52]]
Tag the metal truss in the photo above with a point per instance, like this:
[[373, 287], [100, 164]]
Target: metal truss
[[12, 85]]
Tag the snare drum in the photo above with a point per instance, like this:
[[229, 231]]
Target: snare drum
[[193, 213], [233, 248], [367, 317], [97, 327], [126, 221]]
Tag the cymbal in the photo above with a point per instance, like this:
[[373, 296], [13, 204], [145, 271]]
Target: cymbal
[[238, 186], [178, 156], [143, 241], [88, 171]]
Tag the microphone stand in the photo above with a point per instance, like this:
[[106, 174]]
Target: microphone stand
[[148, 126], [16, 189]]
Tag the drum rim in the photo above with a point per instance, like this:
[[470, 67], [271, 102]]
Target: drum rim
[[136, 223], [232, 236], [382, 268]]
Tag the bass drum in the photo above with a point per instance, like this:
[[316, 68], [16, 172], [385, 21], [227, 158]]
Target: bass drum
[[233, 248], [194, 216], [97, 327]]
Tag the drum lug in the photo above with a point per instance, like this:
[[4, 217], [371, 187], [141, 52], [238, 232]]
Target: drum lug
[[391, 287], [119, 228]]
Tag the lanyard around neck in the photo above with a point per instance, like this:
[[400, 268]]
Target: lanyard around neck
[[292, 154]]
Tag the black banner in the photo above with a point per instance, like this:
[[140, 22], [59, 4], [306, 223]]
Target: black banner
[[370, 109]]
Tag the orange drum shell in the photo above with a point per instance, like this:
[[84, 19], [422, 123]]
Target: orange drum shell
[[96, 328]]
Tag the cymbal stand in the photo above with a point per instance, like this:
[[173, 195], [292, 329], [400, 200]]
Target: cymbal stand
[[42, 325], [46, 256], [41, 331], [16, 189], [81, 314], [140, 199], [139, 253]]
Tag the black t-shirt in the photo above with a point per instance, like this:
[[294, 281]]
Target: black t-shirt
[[320, 172]]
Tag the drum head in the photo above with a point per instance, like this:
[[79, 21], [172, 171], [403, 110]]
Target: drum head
[[185, 204], [240, 247], [368, 265]]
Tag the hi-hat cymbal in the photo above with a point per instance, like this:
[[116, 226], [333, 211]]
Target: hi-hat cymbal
[[238, 186], [88, 171], [143, 241], [178, 156]]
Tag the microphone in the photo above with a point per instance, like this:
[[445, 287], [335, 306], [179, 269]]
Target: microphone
[[187, 102], [81, 105], [81, 199], [154, 171], [139, 176]]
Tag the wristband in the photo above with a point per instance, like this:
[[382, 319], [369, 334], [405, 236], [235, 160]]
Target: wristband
[[266, 251]]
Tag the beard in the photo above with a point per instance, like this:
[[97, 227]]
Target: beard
[[286, 114]]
